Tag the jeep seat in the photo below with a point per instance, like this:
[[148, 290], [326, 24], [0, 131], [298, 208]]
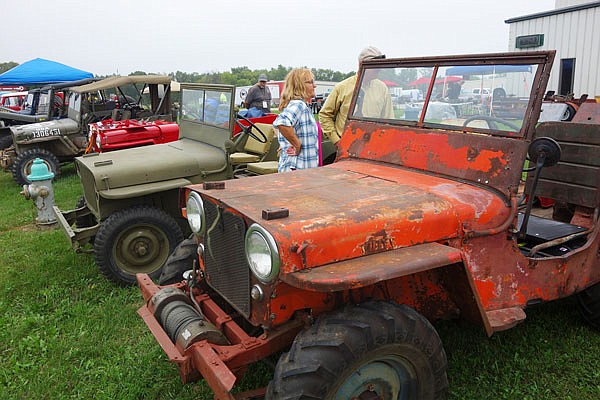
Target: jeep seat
[[263, 168], [254, 151]]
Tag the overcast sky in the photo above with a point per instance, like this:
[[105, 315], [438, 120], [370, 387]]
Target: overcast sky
[[109, 36]]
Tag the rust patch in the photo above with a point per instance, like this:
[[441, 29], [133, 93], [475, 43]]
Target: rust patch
[[416, 215], [379, 241]]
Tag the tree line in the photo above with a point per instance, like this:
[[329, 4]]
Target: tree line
[[244, 76]]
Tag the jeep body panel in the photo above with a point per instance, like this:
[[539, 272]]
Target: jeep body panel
[[180, 159], [42, 134], [353, 208]]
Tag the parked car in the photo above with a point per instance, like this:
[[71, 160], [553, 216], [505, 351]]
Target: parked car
[[130, 211], [344, 267], [317, 102], [13, 101], [62, 139], [44, 104]]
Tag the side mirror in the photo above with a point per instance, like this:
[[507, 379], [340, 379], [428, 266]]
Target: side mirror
[[544, 150]]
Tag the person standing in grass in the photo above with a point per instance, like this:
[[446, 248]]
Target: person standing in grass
[[259, 97], [375, 102], [296, 127]]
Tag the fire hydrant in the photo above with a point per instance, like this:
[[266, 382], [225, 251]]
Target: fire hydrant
[[40, 190]]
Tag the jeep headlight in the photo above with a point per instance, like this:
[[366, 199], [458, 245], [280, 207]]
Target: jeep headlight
[[195, 212], [262, 253]]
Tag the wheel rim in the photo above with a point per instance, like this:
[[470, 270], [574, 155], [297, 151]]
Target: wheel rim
[[141, 248], [389, 377], [28, 164]]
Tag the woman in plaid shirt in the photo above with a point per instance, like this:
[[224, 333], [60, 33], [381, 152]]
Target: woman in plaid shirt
[[297, 130]]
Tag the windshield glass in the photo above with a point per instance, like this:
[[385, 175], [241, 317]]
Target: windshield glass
[[211, 107], [74, 105], [482, 97], [43, 103]]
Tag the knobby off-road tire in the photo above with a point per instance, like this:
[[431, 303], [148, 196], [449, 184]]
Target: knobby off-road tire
[[135, 240], [374, 349], [21, 166], [180, 260], [589, 304]]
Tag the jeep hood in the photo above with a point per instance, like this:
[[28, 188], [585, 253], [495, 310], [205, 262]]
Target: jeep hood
[[183, 158], [355, 207]]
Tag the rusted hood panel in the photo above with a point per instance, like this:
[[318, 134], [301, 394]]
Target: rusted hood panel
[[483, 159], [353, 208]]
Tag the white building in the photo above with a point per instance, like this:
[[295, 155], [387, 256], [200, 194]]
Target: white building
[[573, 30]]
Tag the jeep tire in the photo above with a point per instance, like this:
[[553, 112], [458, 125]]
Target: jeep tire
[[180, 260], [589, 304], [21, 166], [373, 350], [135, 240]]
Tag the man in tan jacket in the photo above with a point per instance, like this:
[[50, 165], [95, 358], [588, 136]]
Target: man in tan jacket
[[376, 101]]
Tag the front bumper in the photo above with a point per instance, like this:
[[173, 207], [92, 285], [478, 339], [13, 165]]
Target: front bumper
[[77, 236], [219, 365]]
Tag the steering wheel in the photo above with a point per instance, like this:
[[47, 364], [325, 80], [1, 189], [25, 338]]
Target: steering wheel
[[248, 129], [491, 121]]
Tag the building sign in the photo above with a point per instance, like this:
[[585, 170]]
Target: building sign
[[12, 88], [525, 42]]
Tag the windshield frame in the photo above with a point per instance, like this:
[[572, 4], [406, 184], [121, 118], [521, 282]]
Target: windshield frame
[[542, 59]]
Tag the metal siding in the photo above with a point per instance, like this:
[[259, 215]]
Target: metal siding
[[573, 35]]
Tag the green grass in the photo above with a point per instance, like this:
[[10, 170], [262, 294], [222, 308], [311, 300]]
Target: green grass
[[67, 333]]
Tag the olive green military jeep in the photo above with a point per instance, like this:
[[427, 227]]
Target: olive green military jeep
[[130, 210], [60, 140]]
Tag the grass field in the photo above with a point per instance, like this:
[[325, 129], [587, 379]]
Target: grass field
[[67, 333]]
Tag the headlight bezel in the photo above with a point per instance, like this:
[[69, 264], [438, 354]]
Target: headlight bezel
[[273, 249], [191, 217]]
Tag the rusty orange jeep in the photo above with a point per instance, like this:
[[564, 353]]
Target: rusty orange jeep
[[420, 218]]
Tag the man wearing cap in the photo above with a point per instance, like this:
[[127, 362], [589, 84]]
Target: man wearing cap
[[259, 96], [375, 102]]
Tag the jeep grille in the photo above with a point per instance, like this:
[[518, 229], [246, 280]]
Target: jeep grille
[[227, 270]]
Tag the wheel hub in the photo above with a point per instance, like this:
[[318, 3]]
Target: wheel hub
[[141, 249], [378, 379]]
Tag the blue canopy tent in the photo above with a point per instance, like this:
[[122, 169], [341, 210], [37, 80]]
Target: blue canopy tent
[[40, 71], [484, 69]]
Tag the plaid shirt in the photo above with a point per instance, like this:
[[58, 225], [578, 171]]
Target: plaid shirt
[[298, 115]]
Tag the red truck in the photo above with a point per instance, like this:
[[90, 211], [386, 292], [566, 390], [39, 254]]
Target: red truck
[[419, 218]]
